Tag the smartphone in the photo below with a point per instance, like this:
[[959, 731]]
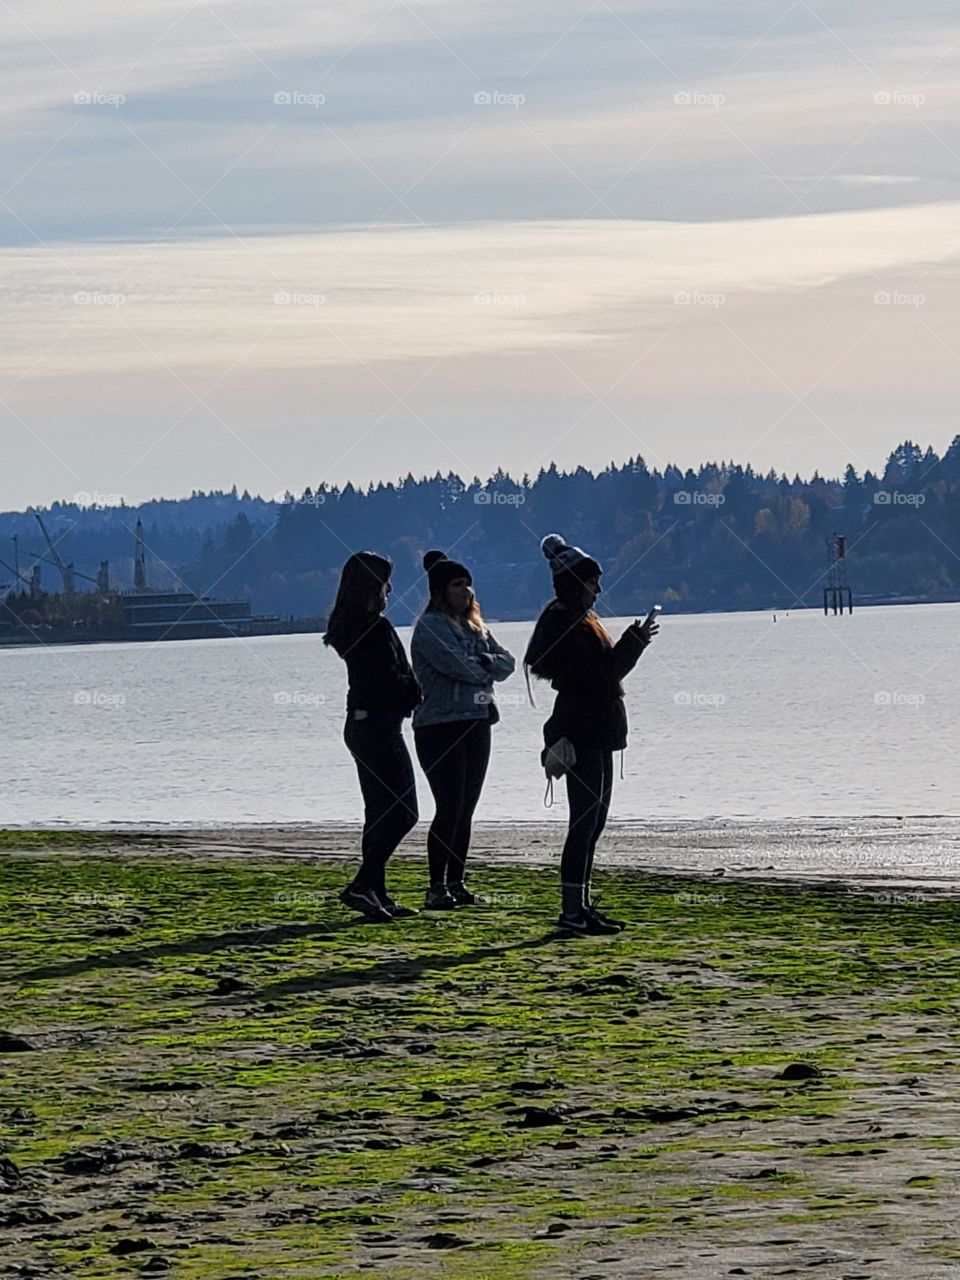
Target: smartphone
[[652, 615]]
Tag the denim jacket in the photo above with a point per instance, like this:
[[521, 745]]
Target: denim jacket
[[456, 668]]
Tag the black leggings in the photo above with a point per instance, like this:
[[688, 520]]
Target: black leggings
[[388, 787], [589, 785], [454, 757]]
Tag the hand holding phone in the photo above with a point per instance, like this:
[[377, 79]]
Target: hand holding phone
[[649, 626]]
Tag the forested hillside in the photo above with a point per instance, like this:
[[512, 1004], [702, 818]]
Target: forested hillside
[[721, 537]]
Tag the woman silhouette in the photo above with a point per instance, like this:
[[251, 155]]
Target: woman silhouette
[[456, 660], [382, 691], [571, 648]]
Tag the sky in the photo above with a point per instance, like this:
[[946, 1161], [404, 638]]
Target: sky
[[280, 245]]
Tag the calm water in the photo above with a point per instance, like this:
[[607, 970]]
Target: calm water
[[732, 715]]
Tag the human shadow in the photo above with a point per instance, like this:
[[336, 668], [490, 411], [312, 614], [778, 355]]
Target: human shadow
[[386, 972], [202, 944]]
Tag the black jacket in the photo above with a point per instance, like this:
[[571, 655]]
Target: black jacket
[[379, 674], [585, 668]]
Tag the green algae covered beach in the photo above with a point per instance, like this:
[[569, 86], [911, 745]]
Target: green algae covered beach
[[210, 1070]]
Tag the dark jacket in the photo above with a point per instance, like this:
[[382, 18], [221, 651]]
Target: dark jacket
[[380, 677], [585, 669]]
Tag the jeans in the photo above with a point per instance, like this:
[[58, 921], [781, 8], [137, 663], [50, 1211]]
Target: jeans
[[589, 785], [454, 757], [388, 788]]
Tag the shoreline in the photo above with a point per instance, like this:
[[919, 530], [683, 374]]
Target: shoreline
[[883, 852]]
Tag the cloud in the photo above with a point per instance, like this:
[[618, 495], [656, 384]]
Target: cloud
[[392, 293], [876, 179], [573, 166], [599, 115]]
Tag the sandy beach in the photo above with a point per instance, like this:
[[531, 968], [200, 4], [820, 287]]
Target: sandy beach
[[208, 1069], [877, 852]]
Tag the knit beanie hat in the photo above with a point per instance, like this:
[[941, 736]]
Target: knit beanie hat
[[563, 558], [441, 571]]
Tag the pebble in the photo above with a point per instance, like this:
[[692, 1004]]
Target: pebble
[[227, 985], [444, 1240], [132, 1244], [9, 1043], [799, 1071], [540, 1117]]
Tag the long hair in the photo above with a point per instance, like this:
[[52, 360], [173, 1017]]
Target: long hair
[[472, 618], [569, 591], [357, 601]]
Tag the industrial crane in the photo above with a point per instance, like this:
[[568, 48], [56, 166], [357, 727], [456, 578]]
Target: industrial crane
[[67, 571]]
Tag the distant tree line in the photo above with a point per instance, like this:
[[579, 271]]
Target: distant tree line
[[721, 537]]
